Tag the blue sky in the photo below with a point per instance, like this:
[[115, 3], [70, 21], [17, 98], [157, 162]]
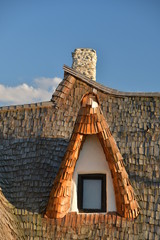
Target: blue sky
[[37, 38]]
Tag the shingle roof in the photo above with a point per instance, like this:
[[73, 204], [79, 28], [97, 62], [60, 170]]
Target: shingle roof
[[9, 224], [90, 120]]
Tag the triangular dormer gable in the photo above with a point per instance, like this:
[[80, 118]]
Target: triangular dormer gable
[[90, 120]]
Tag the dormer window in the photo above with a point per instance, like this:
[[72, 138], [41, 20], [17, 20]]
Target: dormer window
[[92, 193], [92, 167]]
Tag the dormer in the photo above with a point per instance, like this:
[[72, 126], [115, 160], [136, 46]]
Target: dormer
[[92, 175]]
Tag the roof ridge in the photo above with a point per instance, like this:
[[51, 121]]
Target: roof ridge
[[108, 90], [26, 106]]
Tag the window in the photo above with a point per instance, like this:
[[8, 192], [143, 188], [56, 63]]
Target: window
[[92, 192]]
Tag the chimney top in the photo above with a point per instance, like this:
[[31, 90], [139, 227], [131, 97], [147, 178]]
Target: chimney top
[[84, 62]]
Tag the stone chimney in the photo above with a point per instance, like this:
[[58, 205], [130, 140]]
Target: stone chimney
[[84, 62]]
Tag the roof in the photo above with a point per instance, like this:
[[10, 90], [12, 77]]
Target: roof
[[108, 90], [33, 142]]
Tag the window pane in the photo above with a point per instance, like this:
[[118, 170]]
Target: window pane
[[91, 194]]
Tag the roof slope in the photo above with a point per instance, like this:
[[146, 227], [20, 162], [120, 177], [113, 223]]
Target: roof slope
[[9, 224], [90, 120]]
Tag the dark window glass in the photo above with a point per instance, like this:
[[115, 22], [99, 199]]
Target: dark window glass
[[92, 192]]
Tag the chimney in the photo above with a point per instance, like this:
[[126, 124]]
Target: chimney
[[84, 62]]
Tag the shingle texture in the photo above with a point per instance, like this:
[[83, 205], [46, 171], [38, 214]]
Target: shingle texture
[[10, 228], [33, 142]]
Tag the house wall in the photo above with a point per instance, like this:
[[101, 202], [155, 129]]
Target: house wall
[[93, 160], [33, 140]]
